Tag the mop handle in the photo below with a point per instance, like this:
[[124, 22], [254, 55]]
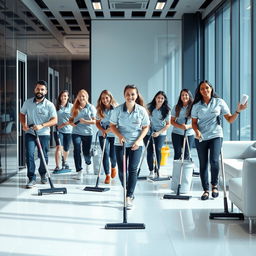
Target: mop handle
[[182, 157], [154, 150], [222, 173], [124, 184], [144, 152], [102, 156], [40, 150]]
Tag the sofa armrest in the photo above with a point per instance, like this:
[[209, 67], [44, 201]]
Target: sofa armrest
[[249, 187], [234, 149]]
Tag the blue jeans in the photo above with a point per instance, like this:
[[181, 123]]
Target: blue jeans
[[65, 140], [30, 143], [203, 148], [109, 153], [159, 142], [133, 160], [177, 142], [86, 142]]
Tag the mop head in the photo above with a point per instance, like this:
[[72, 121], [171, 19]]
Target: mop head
[[178, 197], [96, 189], [125, 226], [52, 191], [61, 171]]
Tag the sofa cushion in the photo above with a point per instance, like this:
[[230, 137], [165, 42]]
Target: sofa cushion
[[233, 167], [250, 152], [236, 192]]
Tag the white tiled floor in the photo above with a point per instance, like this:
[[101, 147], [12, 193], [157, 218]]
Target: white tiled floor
[[73, 224]]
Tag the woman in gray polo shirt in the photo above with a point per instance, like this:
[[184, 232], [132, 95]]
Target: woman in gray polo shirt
[[206, 111], [82, 119], [181, 121], [129, 122]]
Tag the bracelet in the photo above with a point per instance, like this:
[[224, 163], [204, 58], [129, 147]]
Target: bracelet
[[237, 112]]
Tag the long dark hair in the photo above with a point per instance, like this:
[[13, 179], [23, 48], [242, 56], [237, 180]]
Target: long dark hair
[[179, 104], [101, 107], [165, 109], [58, 104], [139, 99]]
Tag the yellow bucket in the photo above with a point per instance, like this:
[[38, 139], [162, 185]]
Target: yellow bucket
[[165, 152]]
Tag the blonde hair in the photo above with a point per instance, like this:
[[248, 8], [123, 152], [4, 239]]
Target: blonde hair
[[101, 107]]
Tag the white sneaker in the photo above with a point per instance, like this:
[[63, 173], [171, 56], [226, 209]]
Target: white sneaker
[[88, 168], [151, 175], [78, 175], [129, 203]]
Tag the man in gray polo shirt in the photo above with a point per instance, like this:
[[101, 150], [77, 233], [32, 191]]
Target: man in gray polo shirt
[[41, 113]]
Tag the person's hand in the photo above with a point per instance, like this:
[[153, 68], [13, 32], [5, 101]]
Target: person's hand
[[198, 135], [241, 107], [25, 127], [61, 126], [135, 146], [83, 121], [108, 130], [184, 126], [155, 134], [38, 127], [121, 139]]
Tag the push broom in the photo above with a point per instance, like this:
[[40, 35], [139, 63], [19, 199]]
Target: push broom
[[96, 188], [125, 225], [52, 189]]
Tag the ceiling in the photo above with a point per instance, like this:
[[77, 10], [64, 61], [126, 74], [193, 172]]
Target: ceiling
[[62, 27]]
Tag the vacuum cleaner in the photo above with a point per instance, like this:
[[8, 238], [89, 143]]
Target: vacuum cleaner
[[63, 169], [52, 189], [157, 167], [226, 215], [178, 195], [96, 188], [124, 225]]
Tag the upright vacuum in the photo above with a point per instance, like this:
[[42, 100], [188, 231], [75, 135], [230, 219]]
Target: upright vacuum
[[156, 165], [125, 224], [52, 189], [178, 195], [96, 188], [226, 214]]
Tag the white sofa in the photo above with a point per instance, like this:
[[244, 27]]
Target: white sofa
[[242, 191], [233, 152]]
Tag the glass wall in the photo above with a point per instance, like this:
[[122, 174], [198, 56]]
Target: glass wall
[[222, 57]]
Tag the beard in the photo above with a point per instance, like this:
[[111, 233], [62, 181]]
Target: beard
[[39, 96]]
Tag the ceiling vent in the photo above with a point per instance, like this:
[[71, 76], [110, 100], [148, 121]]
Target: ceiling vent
[[126, 4]]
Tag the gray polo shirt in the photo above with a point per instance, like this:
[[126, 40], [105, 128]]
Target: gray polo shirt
[[129, 124], [207, 117], [105, 121], [64, 113], [181, 119], [38, 113], [157, 122], [87, 113]]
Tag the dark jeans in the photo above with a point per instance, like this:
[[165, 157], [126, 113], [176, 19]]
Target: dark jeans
[[159, 142], [86, 142], [133, 160], [203, 148], [109, 153], [65, 140], [177, 142], [30, 143]]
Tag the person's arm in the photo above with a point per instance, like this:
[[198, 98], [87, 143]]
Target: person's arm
[[195, 128], [143, 133], [23, 122], [117, 133], [180, 126], [98, 125], [53, 121], [166, 127], [231, 118]]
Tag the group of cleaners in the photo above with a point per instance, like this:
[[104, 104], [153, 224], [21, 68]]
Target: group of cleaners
[[131, 123]]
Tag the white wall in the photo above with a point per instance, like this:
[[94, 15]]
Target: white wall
[[144, 53]]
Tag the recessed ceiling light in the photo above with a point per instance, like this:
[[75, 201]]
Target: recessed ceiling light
[[160, 4], [96, 5]]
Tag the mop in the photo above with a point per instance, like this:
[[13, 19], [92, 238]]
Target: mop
[[226, 214], [52, 189], [63, 169], [96, 188], [156, 167], [178, 195], [124, 224]]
